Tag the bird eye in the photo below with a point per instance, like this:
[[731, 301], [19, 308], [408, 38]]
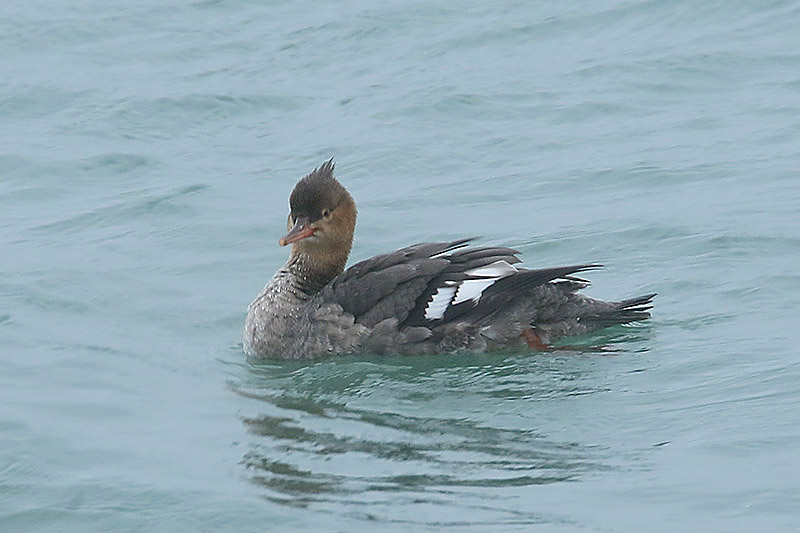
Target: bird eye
[[326, 213]]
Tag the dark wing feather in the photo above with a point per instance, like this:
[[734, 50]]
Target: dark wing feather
[[495, 253], [506, 290], [388, 285], [460, 261], [401, 284], [527, 279]]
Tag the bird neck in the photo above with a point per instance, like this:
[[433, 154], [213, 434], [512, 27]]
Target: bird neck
[[315, 269]]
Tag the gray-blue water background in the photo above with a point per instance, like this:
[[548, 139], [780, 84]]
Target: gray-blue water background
[[148, 150]]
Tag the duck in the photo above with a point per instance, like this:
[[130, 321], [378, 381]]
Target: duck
[[429, 298]]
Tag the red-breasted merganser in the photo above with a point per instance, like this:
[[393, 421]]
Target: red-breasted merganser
[[428, 298]]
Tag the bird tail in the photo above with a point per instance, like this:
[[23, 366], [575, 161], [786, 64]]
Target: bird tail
[[624, 312]]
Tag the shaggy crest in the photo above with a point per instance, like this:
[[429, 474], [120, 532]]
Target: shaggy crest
[[317, 191]]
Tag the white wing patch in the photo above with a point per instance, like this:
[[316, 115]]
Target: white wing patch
[[440, 302], [470, 289], [498, 269]]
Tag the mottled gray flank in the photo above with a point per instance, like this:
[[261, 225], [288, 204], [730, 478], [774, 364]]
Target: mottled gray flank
[[375, 307]]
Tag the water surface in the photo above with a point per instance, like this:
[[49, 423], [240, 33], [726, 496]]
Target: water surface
[[147, 154]]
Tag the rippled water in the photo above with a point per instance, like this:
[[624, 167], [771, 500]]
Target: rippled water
[[147, 154]]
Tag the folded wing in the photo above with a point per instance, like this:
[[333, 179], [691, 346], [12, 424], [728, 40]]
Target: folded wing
[[433, 284]]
